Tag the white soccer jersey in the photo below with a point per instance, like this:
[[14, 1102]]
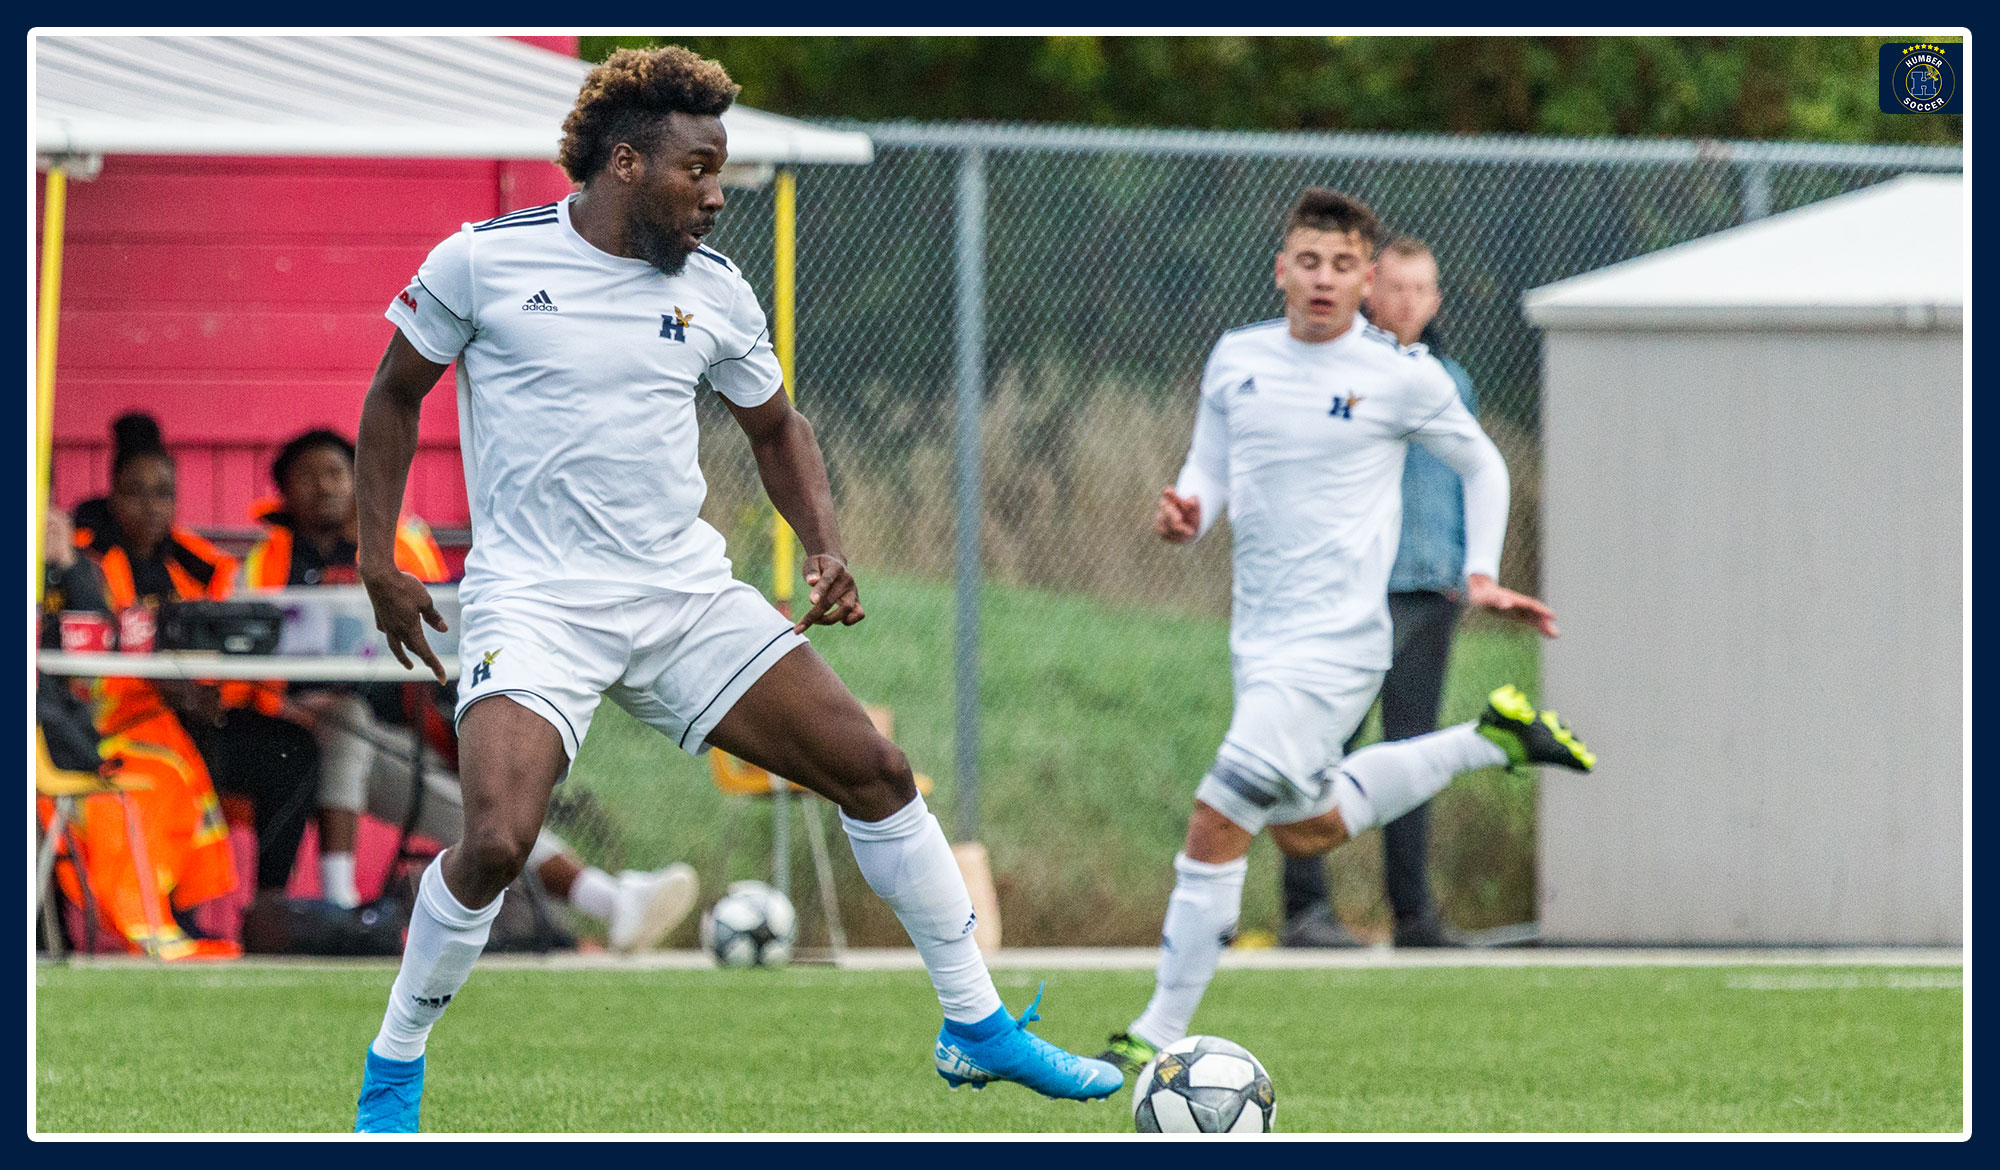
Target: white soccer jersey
[[577, 372], [1303, 444]]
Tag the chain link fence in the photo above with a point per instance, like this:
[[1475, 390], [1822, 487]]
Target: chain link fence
[[1112, 260]]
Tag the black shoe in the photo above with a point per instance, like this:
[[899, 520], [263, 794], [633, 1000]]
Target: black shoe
[[1316, 927], [1529, 736], [1429, 932]]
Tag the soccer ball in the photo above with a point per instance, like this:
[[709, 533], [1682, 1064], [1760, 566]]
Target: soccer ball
[[1203, 1084], [753, 925]]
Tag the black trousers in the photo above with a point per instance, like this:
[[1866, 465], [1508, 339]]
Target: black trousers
[[275, 763], [1412, 693]]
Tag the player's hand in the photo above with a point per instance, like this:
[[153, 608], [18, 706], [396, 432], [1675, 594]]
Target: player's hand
[[402, 606], [1179, 517], [1485, 592], [833, 596]]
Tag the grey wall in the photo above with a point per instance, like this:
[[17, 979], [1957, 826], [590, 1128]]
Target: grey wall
[[1753, 545]]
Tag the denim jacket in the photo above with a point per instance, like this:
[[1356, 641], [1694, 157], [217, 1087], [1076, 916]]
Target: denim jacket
[[1431, 557]]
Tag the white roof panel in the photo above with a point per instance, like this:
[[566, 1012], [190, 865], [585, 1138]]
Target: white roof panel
[[1892, 254], [345, 97]]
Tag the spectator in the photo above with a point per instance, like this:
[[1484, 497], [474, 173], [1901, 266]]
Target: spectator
[[310, 540], [1424, 604], [147, 561], [186, 841]]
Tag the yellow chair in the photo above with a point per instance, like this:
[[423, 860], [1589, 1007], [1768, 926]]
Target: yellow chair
[[67, 789], [743, 782]]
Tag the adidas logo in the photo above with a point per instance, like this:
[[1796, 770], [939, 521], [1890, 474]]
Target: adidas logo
[[1248, 387], [540, 303]]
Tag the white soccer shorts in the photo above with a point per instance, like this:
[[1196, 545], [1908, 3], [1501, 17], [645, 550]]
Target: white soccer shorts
[[1275, 765], [677, 661]]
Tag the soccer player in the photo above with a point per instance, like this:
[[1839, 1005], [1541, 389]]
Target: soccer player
[[1300, 435], [1424, 588], [580, 332]]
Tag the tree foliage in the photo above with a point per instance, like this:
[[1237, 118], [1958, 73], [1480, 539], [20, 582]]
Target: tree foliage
[[1740, 87]]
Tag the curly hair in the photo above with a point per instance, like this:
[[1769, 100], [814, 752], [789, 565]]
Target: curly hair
[[1326, 210], [627, 98]]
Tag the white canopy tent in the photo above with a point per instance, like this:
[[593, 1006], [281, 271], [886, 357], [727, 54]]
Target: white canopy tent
[[345, 97]]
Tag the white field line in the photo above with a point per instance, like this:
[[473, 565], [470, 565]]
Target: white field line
[[1143, 959]]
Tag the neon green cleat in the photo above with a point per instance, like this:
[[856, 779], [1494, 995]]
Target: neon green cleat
[[1529, 736], [1128, 1052]]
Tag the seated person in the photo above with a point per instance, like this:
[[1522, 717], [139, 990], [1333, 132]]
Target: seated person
[[146, 560], [186, 841], [310, 540]]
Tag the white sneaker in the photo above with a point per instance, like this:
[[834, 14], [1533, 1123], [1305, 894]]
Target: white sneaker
[[651, 903]]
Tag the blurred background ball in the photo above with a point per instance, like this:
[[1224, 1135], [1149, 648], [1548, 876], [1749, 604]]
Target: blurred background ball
[[752, 925]]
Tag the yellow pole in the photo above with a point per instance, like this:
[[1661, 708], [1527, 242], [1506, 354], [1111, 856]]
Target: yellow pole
[[54, 200], [783, 336]]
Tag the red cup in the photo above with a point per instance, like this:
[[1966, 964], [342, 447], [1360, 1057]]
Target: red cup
[[84, 632], [135, 630]]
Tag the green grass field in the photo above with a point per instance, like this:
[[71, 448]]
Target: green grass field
[[1099, 720], [1545, 1049]]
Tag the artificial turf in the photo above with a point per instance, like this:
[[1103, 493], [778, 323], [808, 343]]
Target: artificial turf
[[1538, 1049]]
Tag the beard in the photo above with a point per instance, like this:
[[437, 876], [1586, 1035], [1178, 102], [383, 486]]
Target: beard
[[662, 248]]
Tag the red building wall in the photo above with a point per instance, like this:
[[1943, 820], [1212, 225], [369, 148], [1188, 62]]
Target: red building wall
[[240, 301]]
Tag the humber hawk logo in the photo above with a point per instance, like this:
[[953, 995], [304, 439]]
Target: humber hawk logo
[[1920, 79], [484, 670], [673, 326], [1344, 407]]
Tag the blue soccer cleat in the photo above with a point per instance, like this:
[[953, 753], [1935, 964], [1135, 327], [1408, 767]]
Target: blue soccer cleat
[[391, 1092], [1000, 1048]]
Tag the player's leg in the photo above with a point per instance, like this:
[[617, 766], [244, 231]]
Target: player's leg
[[799, 721], [510, 759], [531, 676], [1268, 766], [1384, 781], [726, 669]]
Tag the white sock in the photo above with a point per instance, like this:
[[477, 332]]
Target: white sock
[[1383, 781], [444, 939], [1201, 917], [336, 880], [594, 892], [909, 865]]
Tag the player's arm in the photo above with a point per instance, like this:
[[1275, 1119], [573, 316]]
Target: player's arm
[[794, 474], [1191, 506], [384, 448], [1454, 436]]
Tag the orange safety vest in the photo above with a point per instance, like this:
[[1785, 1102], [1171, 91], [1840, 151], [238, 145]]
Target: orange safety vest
[[186, 838], [198, 571]]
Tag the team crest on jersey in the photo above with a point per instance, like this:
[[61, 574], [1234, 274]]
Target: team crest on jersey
[[673, 326], [1344, 407], [484, 670]]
